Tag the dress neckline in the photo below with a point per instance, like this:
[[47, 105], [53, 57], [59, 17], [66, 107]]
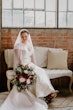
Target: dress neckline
[[25, 46]]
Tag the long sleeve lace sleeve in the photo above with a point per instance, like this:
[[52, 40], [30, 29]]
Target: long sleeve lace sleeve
[[18, 59], [18, 54]]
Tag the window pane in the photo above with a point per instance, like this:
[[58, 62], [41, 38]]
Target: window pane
[[62, 19], [39, 4], [28, 18], [51, 5], [70, 7], [6, 4], [6, 18], [18, 3], [50, 19], [70, 20], [17, 18], [28, 4], [62, 5], [39, 18]]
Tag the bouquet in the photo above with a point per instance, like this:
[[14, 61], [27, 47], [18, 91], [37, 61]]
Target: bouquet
[[25, 76]]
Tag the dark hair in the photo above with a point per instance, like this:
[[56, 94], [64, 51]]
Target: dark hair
[[25, 31]]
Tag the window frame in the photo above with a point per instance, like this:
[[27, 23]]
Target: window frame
[[35, 27]]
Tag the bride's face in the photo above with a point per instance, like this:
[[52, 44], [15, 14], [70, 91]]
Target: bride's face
[[24, 37]]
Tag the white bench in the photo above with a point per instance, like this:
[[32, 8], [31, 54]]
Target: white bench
[[41, 57]]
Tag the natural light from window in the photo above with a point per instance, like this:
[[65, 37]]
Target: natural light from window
[[37, 13]]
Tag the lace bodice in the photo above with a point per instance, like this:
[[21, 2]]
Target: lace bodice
[[26, 55]]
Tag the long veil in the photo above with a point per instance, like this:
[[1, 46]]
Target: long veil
[[20, 47]]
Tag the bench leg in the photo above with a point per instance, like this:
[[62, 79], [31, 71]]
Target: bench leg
[[70, 84], [8, 84]]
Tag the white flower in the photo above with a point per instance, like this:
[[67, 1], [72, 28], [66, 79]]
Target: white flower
[[28, 81], [25, 71], [22, 80]]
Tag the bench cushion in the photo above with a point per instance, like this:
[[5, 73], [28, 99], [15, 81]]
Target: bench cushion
[[8, 54], [57, 59], [51, 73], [58, 73], [41, 54], [10, 74]]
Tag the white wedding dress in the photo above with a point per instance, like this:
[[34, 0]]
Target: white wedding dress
[[30, 99]]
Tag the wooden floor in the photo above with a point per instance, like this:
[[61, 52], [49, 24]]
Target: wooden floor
[[64, 99]]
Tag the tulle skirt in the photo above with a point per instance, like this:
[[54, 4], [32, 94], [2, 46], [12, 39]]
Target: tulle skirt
[[30, 99]]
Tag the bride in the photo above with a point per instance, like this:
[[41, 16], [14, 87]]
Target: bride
[[35, 97]]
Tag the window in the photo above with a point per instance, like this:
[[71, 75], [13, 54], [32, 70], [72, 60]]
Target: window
[[37, 13], [65, 13], [29, 13]]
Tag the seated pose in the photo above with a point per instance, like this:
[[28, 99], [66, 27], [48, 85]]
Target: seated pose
[[35, 98]]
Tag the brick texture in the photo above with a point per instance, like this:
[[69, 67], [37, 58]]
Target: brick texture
[[54, 38], [0, 52]]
